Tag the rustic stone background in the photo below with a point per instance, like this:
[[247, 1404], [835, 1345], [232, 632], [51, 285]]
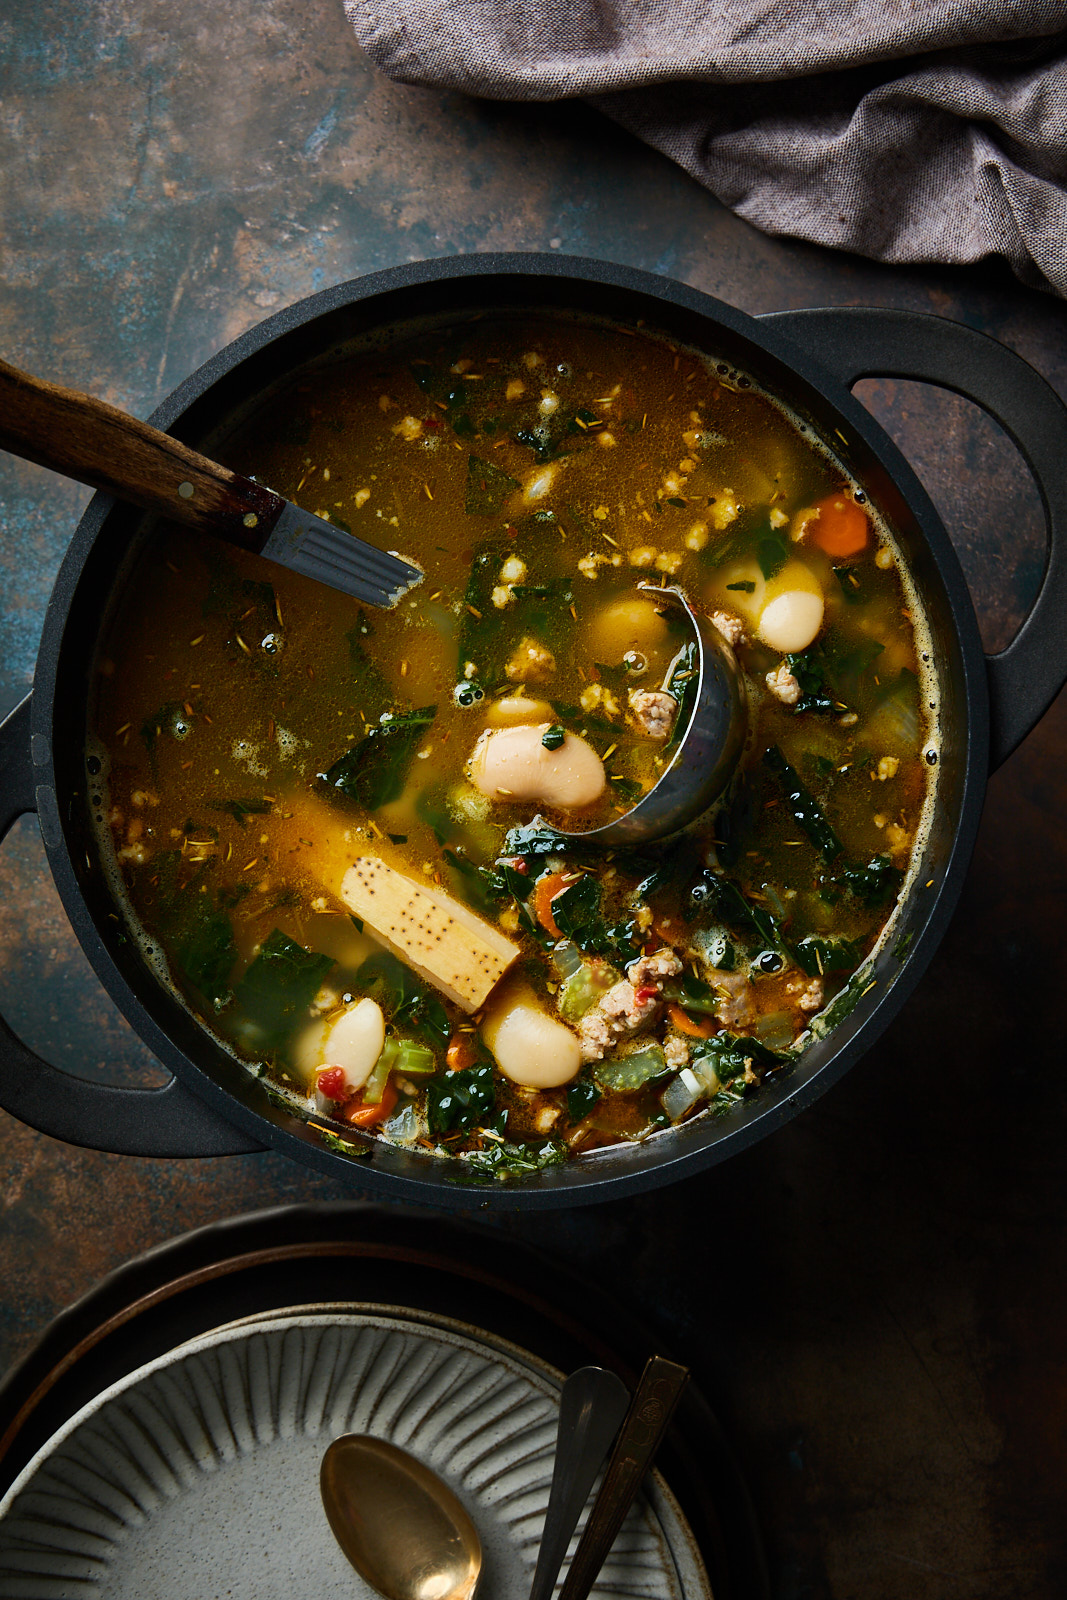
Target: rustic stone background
[[876, 1298]]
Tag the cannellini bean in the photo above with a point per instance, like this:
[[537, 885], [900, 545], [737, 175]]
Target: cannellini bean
[[529, 1046], [354, 1042], [513, 764], [791, 621], [513, 709], [632, 624]]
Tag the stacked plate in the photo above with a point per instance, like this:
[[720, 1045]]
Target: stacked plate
[[197, 1474]]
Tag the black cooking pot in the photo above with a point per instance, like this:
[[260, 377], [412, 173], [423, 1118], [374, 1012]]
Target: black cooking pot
[[808, 358]]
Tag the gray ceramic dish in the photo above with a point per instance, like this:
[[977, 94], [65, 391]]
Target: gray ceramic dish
[[198, 1474]]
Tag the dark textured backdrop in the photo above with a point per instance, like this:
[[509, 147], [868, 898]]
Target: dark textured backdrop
[[876, 1298]]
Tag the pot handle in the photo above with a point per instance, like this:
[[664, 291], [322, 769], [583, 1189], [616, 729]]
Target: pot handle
[[130, 1122], [868, 342]]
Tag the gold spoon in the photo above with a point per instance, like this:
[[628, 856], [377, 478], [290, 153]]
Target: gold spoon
[[400, 1526]]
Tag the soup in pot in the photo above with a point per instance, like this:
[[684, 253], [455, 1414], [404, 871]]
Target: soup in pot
[[337, 830]]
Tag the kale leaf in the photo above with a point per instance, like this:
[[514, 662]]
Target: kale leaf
[[815, 955], [488, 486], [805, 809], [402, 997], [577, 913], [374, 772], [461, 1100], [873, 884], [278, 988]]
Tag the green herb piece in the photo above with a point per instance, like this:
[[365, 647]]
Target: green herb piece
[[803, 806], [674, 500], [682, 684], [240, 809], [344, 1147], [746, 586], [903, 945], [816, 956], [692, 994], [553, 737], [855, 591], [577, 913], [581, 1098], [374, 772], [532, 843], [206, 952], [627, 789], [277, 990], [402, 997], [772, 553], [721, 895], [843, 1004], [814, 692], [357, 922], [625, 1074], [481, 887], [730, 1054], [488, 486], [461, 1100], [503, 1160], [873, 884]]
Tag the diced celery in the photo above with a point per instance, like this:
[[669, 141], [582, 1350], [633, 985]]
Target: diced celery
[[415, 1060], [374, 1087], [580, 992], [633, 1071]]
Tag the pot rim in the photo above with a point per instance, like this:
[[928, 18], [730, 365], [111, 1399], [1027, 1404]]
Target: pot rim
[[663, 1158]]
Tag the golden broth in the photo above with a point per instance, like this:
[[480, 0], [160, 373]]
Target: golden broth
[[537, 469]]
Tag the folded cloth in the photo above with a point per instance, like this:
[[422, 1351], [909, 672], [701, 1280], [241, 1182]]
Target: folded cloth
[[905, 130]]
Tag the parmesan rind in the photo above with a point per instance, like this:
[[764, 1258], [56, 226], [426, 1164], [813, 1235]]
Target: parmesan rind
[[438, 938]]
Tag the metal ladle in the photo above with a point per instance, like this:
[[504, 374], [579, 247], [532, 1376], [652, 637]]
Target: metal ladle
[[704, 754]]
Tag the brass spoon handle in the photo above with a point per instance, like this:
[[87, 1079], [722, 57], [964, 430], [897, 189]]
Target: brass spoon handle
[[646, 1422]]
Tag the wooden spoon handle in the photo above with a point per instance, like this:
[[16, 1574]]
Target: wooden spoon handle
[[650, 1411], [98, 444]]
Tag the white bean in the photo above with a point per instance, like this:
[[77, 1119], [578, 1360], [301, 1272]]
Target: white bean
[[512, 709], [353, 1043], [791, 621], [529, 1046], [513, 764]]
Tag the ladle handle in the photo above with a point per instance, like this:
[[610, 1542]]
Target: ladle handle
[[96, 443], [651, 1409], [855, 342]]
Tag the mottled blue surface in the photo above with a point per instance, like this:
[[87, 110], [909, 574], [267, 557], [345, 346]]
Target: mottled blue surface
[[876, 1297]]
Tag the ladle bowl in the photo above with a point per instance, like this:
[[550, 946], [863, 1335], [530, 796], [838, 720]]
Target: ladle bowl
[[702, 754]]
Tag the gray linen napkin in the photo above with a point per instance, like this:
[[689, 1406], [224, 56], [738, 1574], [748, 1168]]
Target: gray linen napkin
[[906, 130]]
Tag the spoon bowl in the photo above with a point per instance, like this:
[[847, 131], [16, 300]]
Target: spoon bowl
[[704, 747], [399, 1524]]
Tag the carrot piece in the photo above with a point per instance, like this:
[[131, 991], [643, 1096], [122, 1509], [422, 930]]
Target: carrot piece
[[841, 528], [689, 1025], [461, 1052], [361, 1116], [545, 891]]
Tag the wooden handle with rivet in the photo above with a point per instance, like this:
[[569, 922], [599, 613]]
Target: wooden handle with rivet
[[651, 1409], [100, 445]]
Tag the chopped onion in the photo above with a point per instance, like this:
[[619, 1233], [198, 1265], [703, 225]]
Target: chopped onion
[[682, 1094], [775, 1029]]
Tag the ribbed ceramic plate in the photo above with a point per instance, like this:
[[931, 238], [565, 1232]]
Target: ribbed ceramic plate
[[197, 1476]]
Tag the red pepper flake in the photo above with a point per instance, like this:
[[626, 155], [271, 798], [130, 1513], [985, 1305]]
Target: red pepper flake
[[646, 992], [331, 1082]]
